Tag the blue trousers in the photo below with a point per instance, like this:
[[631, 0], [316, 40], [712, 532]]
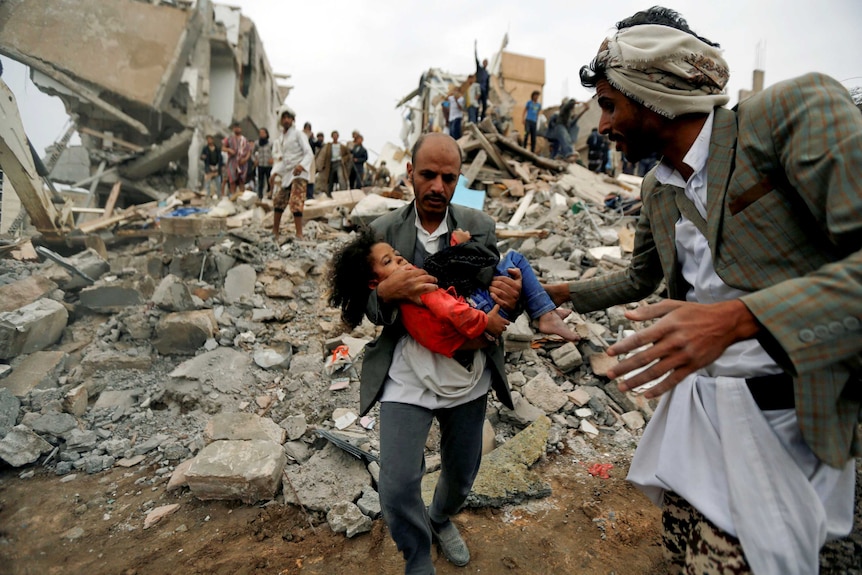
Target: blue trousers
[[403, 431], [536, 299]]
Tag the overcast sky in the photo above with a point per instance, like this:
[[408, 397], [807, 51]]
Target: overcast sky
[[351, 62]]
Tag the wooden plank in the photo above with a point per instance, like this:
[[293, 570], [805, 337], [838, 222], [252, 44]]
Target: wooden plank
[[522, 209], [112, 200], [521, 170], [520, 234], [475, 166], [138, 211], [490, 149], [514, 187], [546, 163]]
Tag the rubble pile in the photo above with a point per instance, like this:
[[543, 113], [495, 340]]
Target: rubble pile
[[205, 353]]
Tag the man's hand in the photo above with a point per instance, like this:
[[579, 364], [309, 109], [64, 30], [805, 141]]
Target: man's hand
[[297, 170], [496, 323], [559, 293], [407, 284], [506, 291], [688, 337]]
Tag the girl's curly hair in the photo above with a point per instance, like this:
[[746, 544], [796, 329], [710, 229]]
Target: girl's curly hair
[[349, 274]]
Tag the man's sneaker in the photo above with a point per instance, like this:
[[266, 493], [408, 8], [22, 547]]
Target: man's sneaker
[[451, 543]]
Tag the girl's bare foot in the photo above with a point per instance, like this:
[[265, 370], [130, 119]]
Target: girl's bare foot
[[552, 324]]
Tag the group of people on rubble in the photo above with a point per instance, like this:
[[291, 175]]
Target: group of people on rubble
[[756, 359]]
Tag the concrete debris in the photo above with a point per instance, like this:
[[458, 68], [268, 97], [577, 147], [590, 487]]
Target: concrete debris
[[246, 470], [346, 517], [32, 327], [22, 446]]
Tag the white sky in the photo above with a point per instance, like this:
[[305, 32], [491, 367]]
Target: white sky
[[351, 62]]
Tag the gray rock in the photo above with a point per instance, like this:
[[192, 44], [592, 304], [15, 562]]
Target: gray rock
[[239, 426], [267, 357], [567, 357], [39, 370], [150, 444], [247, 470], [295, 426], [94, 463], [369, 503], [21, 446], [633, 419], [110, 298], [330, 475], [31, 328], [184, 332], [298, 451], [9, 406], [54, 423], [345, 517], [239, 284], [225, 369], [80, 441], [542, 392], [524, 412], [172, 294]]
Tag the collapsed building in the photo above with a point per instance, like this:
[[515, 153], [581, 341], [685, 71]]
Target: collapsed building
[[143, 83]]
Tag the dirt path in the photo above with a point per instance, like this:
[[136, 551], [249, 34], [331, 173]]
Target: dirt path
[[588, 526]]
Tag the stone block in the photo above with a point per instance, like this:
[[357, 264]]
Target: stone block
[[579, 397], [39, 370], [567, 357], [90, 263], [369, 503], [75, 401], [634, 420], [110, 298], [184, 332], [330, 475], [24, 292], [31, 328], [549, 245], [600, 363], [241, 426], [246, 470], [53, 423], [524, 412], [295, 426]]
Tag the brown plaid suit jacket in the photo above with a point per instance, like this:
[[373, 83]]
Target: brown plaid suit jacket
[[784, 222]]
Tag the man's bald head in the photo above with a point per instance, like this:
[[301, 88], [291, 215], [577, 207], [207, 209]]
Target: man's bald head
[[436, 136]]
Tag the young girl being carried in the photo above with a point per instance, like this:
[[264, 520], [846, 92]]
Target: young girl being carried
[[446, 319]]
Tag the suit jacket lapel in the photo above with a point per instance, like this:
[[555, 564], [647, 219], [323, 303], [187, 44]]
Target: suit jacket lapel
[[405, 235]]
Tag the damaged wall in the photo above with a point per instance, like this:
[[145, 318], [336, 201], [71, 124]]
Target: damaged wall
[[145, 75], [520, 76]]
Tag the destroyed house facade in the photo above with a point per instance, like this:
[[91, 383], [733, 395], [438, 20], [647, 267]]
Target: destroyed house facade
[[143, 82]]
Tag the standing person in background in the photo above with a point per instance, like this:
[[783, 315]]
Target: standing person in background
[[359, 155], [293, 167], [315, 147], [456, 112], [596, 151], [263, 162], [473, 96], [213, 163], [753, 219], [530, 118], [333, 162], [483, 77], [238, 150]]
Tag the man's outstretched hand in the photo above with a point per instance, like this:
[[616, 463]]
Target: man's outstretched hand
[[687, 337]]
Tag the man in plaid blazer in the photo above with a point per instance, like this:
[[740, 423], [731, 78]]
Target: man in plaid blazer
[[754, 220]]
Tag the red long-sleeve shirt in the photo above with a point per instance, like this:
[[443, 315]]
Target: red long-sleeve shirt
[[444, 323]]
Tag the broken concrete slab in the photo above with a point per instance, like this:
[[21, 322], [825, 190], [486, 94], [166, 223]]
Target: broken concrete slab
[[239, 283], [101, 360], [240, 426], [184, 332], [369, 503], [330, 475], [90, 263], [542, 392], [246, 470], [21, 446], [294, 425], [226, 369], [524, 412], [53, 423], [39, 370], [24, 292], [32, 327], [75, 401]]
